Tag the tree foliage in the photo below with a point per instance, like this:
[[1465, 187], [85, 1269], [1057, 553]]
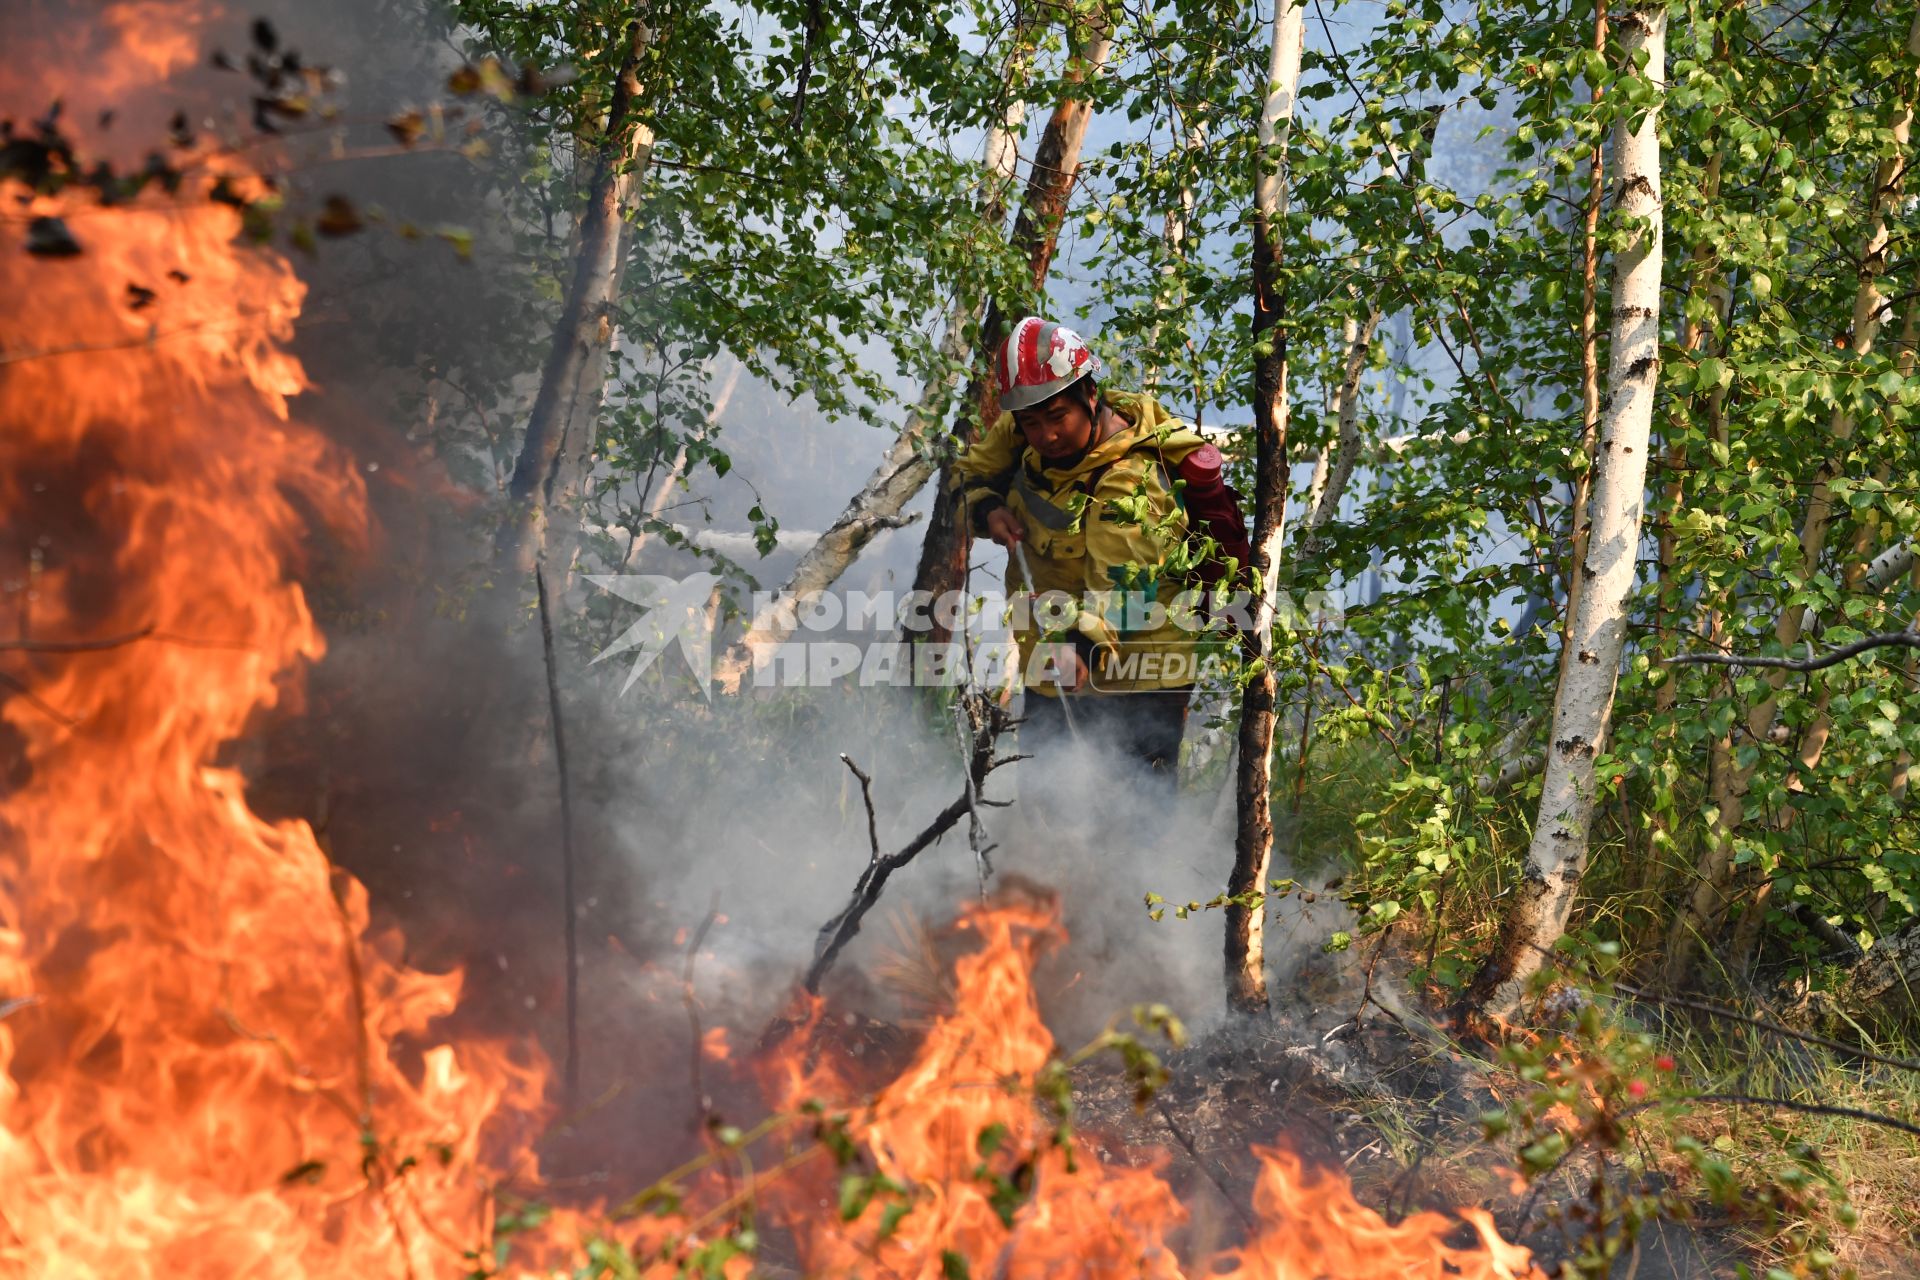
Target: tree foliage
[[812, 204]]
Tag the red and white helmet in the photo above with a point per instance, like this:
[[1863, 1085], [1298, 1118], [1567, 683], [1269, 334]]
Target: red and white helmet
[[1040, 360]]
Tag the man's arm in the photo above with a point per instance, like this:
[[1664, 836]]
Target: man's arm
[[983, 473]]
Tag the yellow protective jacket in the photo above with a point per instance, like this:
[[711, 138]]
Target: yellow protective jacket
[[1102, 532]]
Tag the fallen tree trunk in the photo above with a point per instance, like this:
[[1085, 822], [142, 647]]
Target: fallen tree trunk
[[1882, 991]]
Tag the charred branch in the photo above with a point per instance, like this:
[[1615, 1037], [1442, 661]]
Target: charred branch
[[839, 931], [571, 928]]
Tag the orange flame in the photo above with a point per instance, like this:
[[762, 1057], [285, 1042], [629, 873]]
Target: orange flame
[[1029, 1204], [206, 1076], [209, 1064]]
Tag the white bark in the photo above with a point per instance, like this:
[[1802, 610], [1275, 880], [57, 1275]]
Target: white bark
[[1583, 704], [1253, 844], [1514, 757], [737, 545], [720, 403], [1270, 199], [545, 488], [1173, 290], [1276, 111], [1332, 471], [637, 541], [1890, 566]]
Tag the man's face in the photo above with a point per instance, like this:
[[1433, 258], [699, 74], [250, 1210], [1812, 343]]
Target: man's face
[[1057, 428]]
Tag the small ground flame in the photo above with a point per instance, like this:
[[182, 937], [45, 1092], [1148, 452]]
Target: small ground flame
[[978, 1177]]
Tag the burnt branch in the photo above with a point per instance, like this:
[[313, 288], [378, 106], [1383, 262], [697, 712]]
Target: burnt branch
[[839, 931], [1193, 1153], [816, 20], [75, 646], [572, 923], [966, 713], [866, 794], [37, 702]]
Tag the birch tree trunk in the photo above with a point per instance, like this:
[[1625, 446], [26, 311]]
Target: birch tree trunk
[[1589, 355], [1706, 906], [551, 467], [1171, 296], [1172, 293], [1036, 232], [1813, 743], [1246, 968], [908, 463], [1900, 780], [1333, 470], [1583, 703]]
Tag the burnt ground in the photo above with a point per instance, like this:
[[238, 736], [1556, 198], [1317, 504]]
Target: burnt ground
[[1382, 1098], [1385, 1096]]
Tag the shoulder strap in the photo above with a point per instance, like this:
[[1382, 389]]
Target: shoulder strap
[[1042, 508], [1059, 518]]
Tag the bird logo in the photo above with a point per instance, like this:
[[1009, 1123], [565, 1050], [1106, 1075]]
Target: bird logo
[[676, 610]]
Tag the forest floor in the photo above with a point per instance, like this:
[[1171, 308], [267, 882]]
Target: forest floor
[[1389, 1099]]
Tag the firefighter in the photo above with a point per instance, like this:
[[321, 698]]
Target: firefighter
[[1081, 485]]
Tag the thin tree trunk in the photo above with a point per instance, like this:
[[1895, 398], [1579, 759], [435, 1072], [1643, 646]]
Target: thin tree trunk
[[657, 506], [1171, 296], [1704, 270], [1813, 743], [1701, 916], [1583, 703], [1901, 778], [1246, 965], [1589, 356], [1758, 894], [1036, 233], [552, 464], [1333, 470], [908, 463]]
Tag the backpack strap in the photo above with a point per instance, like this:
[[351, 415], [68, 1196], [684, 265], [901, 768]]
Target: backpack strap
[[1041, 508]]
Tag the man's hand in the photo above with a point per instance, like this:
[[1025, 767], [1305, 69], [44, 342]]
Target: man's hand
[[1004, 527]]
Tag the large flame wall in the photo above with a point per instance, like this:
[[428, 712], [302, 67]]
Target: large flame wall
[[201, 1072]]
